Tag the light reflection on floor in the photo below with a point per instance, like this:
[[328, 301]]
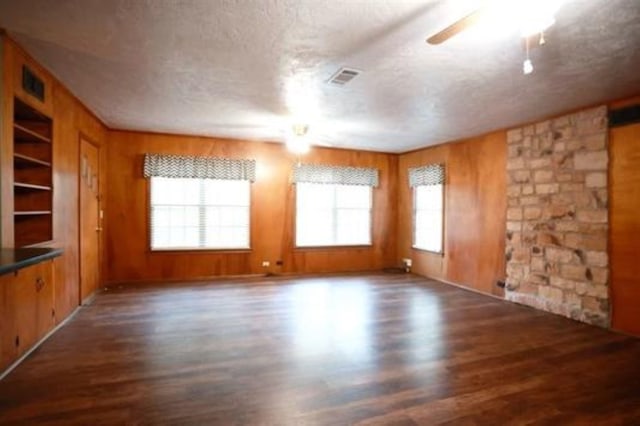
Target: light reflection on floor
[[330, 319], [320, 331]]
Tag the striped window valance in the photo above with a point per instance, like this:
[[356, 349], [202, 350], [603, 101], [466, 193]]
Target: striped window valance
[[433, 174], [337, 175], [179, 166]]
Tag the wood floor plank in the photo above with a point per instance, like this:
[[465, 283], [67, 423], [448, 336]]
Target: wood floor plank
[[392, 349]]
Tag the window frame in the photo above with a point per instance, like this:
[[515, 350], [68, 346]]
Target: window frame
[[332, 246], [414, 211], [183, 250]]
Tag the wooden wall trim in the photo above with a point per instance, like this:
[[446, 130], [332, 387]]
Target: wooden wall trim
[[622, 103]]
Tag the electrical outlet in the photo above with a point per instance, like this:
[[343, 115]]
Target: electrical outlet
[[266, 263], [407, 262]]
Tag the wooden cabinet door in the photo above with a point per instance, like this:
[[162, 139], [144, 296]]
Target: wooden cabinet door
[[23, 309], [26, 316], [45, 319], [7, 329], [31, 305]]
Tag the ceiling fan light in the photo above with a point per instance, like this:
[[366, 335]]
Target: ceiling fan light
[[297, 142], [298, 145]]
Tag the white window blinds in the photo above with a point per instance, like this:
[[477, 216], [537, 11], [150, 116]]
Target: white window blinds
[[332, 215], [199, 202], [428, 206]]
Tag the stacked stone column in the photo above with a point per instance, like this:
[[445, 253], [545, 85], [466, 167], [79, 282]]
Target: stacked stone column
[[557, 217]]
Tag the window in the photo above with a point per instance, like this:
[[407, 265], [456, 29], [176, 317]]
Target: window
[[428, 217], [332, 215], [189, 213]]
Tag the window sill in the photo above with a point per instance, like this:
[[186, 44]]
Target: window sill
[[436, 253], [320, 248], [201, 250]]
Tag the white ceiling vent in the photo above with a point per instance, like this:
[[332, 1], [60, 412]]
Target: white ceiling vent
[[343, 76]]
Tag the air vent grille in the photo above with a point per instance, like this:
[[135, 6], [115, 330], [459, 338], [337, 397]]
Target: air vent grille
[[32, 84], [343, 76], [624, 116]]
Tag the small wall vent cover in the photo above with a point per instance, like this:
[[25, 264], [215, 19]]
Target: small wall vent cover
[[32, 84], [624, 116], [343, 76]]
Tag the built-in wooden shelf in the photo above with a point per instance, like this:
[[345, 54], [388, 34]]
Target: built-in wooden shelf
[[33, 175], [32, 213], [31, 186], [22, 160], [23, 134]]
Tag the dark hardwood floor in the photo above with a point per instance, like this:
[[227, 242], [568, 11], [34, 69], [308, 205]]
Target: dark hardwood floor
[[373, 349]]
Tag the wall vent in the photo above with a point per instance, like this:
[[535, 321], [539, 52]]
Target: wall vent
[[343, 76], [32, 84], [624, 116]]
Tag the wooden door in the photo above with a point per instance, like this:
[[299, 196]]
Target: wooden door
[[90, 220], [625, 227]]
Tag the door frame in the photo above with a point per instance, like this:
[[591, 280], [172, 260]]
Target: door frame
[[84, 137]]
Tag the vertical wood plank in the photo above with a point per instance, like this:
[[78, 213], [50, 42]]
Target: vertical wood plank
[[624, 208]]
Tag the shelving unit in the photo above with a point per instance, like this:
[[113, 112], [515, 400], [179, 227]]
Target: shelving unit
[[33, 183]]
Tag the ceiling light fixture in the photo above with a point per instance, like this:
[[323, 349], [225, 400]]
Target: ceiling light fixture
[[536, 16], [535, 19], [527, 66], [297, 141]]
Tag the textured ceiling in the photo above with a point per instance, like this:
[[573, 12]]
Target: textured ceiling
[[245, 69]]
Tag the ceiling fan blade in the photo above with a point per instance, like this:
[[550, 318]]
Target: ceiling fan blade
[[455, 28]]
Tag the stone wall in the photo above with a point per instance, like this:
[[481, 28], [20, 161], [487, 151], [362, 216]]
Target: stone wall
[[557, 217]]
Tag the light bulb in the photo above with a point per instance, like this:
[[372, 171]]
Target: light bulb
[[298, 145], [297, 141], [527, 66]]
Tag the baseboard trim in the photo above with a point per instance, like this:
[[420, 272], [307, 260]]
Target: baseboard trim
[[463, 287], [90, 298], [217, 278], [24, 356], [112, 284]]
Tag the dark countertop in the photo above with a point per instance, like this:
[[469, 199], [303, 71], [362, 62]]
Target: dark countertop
[[13, 259]]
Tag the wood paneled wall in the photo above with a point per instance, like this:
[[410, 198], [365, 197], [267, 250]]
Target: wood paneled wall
[[474, 218], [475, 210], [70, 119], [272, 212], [624, 203]]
